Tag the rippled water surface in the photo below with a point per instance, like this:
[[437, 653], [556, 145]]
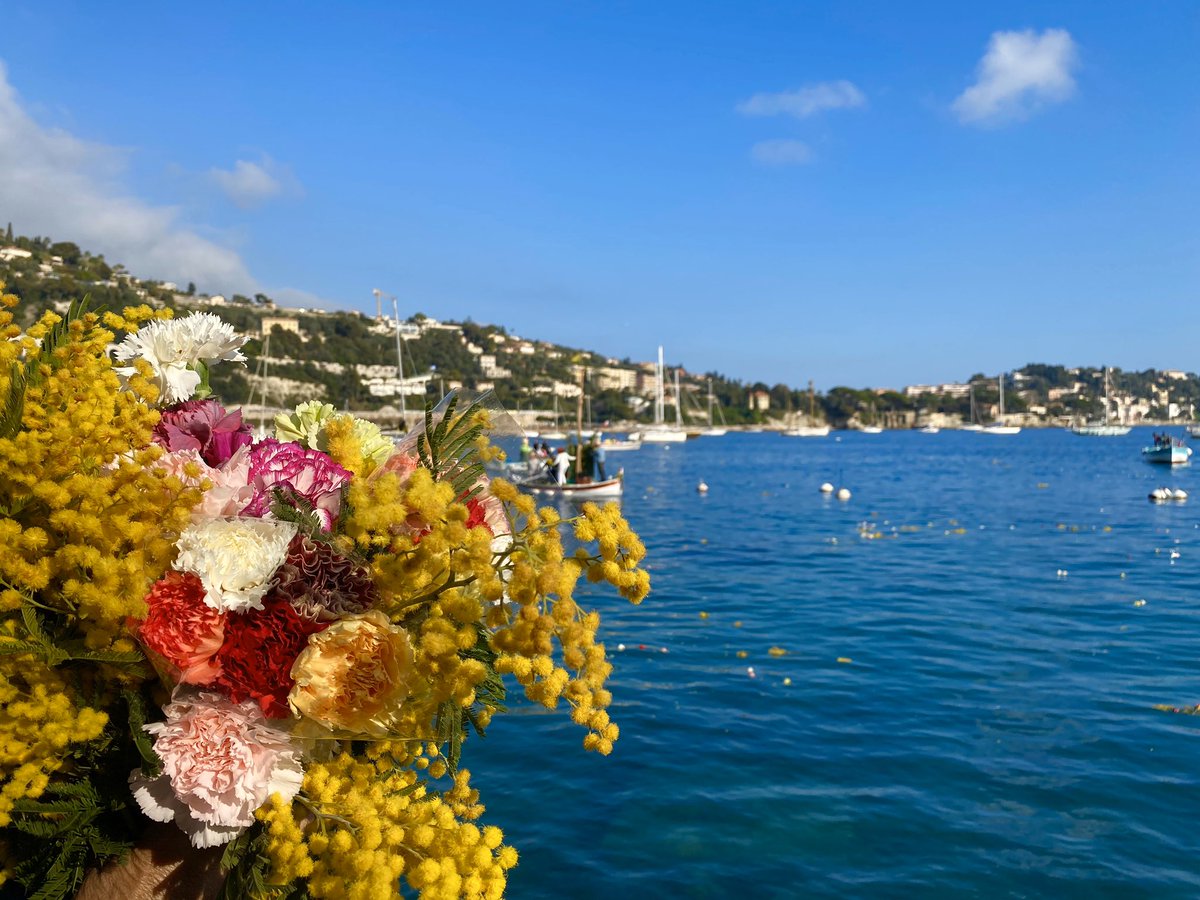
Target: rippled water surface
[[992, 733]]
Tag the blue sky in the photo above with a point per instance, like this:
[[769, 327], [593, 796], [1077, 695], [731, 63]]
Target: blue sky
[[865, 194]]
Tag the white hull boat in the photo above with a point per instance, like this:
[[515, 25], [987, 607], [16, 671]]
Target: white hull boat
[[609, 489], [663, 436], [808, 431], [1105, 428], [998, 427]]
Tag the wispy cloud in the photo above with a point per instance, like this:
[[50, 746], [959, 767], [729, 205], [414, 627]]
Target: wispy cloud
[[804, 101], [1021, 72], [249, 184], [781, 152], [54, 183]]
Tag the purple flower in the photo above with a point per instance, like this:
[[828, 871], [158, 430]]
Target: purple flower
[[291, 471], [203, 426]]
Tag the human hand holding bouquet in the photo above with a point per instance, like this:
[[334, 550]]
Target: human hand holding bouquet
[[277, 647]]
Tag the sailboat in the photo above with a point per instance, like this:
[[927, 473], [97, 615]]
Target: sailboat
[[998, 427], [973, 425], [1105, 428], [713, 430], [809, 430], [661, 433]]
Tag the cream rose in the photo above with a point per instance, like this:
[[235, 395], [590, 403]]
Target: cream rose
[[235, 559], [354, 675]]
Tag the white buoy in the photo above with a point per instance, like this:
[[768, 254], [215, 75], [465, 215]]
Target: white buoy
[[827, 488], [843, 494], [1179, 494], [1158, 495], [702, 488]]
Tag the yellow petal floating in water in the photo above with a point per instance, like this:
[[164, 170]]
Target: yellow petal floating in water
[[704, 615], [777, 651], [1042, 485], [844, 659], [1139, 602], [742, 654], [786, 682], [737, 624]]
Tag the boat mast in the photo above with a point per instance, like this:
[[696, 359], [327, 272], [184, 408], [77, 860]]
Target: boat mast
[[678, 405], [659, 402], [264, 363], [400, 364], [1001, 396], [579, 427], [812, 403], [1105, 395], [710, 403]]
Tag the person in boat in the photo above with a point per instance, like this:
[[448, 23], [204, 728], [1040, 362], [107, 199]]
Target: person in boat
[[526, 449], [562, 462], [598, 456]]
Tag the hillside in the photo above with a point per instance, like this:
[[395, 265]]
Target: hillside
[[349, 359]]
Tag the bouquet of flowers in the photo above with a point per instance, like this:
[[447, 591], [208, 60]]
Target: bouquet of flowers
[[276, 646]]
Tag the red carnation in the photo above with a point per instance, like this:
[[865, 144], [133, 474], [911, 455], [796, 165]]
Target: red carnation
[[260, 647], [182, 629], [477, 515]]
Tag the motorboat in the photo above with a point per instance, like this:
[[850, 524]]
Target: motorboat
[[1167, 450]]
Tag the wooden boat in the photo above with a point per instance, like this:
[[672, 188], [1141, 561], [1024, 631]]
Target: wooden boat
[[608, 489]]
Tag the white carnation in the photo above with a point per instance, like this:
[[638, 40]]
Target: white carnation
[[174, 347], [235, 559]]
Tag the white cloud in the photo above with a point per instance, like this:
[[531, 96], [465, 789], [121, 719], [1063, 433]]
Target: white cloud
[[781, 152], [249, 184], [805, 101], [56, 184], [1021, 72]]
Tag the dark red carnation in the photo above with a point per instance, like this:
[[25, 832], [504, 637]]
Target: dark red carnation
[[259, 649], [321, 583], [203, 426]]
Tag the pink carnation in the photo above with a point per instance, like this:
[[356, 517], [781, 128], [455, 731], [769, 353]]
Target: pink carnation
[[293, 472], [203, 426], [229, 490], [221, 761], [403, 463]]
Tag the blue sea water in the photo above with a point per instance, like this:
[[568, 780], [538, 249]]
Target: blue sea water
[[991, 732]]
